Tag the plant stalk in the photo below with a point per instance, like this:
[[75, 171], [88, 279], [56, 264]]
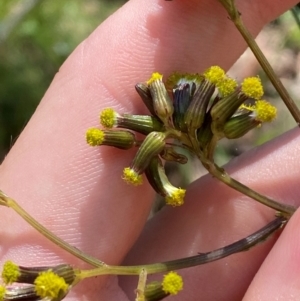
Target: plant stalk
[[202, 258], [9, 202], [235, 17]]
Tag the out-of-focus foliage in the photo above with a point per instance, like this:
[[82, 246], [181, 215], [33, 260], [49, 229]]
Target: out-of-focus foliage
[[36, 36]]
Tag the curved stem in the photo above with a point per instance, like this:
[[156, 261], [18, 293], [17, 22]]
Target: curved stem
[[9, 202], [202, 258], [211, 147], [223, 176]]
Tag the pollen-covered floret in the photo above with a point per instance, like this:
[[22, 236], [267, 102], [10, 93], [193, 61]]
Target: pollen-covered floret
[[94, 136], [51, 286], [108, 117], [175, 196], [227, 86], [252, 87], [10, 272], [130, 176], [172, 283], [262, 110], [214, 74]]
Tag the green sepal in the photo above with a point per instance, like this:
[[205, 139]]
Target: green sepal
[[238, 126], [121, 139], [143, 124], [196, 111], [145, 94], [153, 144]]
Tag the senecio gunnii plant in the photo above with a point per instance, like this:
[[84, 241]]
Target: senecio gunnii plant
[[186, 111]]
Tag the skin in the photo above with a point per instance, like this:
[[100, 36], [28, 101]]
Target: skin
[[77, 192]]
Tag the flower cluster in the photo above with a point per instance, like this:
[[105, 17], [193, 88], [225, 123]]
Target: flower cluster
[[54, 283], [192, 111], [37, 283]]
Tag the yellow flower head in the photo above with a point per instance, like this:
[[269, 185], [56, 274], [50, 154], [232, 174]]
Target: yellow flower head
[[214, 74], [226, 86], [10, 272], [94, 137], [172, 283], [262, 110], [50, 285], [108, 117], [130, 176], [175, 197], [252, 87]]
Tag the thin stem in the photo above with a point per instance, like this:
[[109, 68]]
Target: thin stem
[[140, 290], [269, 70], [211, 147], [203, 258], [223, 176], [9, 202], [230, 7]]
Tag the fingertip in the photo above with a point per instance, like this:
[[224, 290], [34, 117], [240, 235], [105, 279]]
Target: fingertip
[[279, 276]]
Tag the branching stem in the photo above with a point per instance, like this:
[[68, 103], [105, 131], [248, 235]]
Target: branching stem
[[223, 176]]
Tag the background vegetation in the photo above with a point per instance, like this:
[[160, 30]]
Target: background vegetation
[[36, 36]]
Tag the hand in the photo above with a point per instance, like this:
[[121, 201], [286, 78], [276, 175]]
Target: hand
[[77, 192]]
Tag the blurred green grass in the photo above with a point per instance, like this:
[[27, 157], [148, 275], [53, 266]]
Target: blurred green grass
[[35, 39]]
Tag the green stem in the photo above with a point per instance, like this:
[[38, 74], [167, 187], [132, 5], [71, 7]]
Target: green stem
[[8, 202], [202, 258], [223, 176], [230, 7], [211, 147], [140, 290]]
